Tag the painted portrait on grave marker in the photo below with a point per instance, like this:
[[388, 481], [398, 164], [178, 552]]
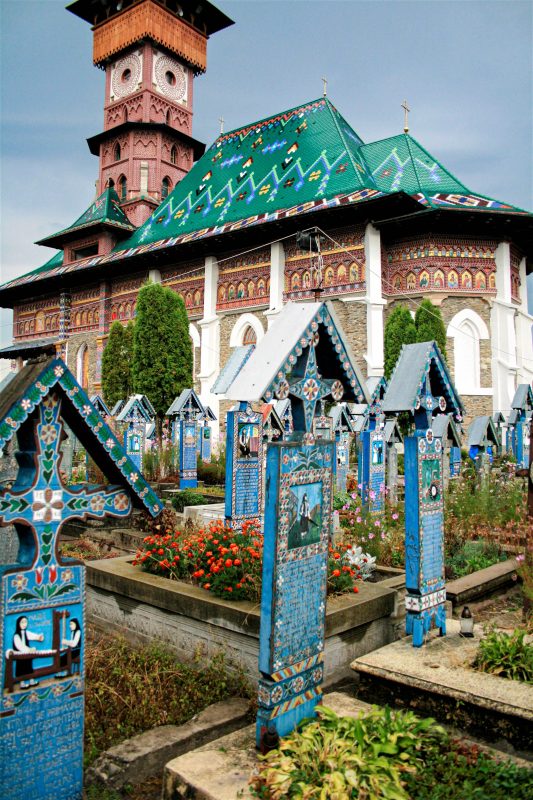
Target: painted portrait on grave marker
[[305, 515], [377, 452], [248, 440]]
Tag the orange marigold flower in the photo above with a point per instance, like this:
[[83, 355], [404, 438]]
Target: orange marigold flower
[[355, 589], [228, 588], [207, 585], [237, 562], [336, 573], [336, 555], [228, 562], [160, 551]]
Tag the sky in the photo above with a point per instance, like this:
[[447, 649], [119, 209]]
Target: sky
[[465, 68]]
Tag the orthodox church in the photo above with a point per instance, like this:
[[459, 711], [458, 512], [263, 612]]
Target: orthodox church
[[390, 224]]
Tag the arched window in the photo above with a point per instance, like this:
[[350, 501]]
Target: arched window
[[467, 329], [116, 152], [122, 187], [82, 366], [173, 155], [110, 183], [249, 336], [165, 188]]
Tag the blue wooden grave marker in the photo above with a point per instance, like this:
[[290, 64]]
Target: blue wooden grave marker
[[305, 342], [186, 414], [421, 385], [42, 595], [138, 414], [518, 425], [188, 472], [244, 461], [343, 431]]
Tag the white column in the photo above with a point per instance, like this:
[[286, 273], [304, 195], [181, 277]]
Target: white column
[[210, 339], [277, 281], [503, 333], [524, 323], [154, 275], [374, 302]]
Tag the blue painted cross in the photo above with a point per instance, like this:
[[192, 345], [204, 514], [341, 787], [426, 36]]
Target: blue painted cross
[[39, 498], [309, 388]]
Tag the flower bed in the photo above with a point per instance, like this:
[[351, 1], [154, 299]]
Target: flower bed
[[228, 562]]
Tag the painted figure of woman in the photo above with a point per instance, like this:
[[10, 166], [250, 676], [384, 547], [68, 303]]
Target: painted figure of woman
[[304, 516], [21, 644], [75, 645]]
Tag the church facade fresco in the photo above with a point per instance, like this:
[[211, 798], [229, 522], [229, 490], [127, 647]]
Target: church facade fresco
[[440, 265]]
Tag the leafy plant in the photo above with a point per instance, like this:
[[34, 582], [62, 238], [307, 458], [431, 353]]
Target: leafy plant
[[472, 556], [344, 757], [507, 655], [187, 497], [462, 772]]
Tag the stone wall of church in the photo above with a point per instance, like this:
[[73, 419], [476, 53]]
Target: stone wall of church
[[352, 317]]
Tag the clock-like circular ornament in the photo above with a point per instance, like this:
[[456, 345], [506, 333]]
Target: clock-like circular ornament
[[126, 76], [170, 78]]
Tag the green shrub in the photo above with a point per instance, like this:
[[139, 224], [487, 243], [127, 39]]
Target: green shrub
[[465, 773], [212, 474], [384, 755], [473, 556], [187, 497], [345, 757], [341, 499], [507, 655]]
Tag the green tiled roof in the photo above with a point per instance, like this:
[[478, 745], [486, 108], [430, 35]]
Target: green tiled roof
[[401, 164], [301, 160], [299, 156], [104, 210]]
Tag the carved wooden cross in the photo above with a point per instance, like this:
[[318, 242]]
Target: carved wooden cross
[[406, 110]]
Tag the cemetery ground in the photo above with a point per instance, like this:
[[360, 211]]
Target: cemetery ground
[[488, 524]]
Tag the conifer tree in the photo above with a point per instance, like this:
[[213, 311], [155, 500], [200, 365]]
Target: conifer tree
[[399, 329], [162, 348], [116, 364], [430, 325]]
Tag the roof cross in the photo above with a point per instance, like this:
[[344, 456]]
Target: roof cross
[[406, 111], [325, 90]]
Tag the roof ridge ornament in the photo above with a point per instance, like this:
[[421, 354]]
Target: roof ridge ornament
[[325, 89]]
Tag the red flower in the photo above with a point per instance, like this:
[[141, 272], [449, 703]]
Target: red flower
[[207, 585], [336, 573], [228, 562], [355, 589], [237, 562]]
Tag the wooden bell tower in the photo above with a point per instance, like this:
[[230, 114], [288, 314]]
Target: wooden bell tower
[[151, 51]]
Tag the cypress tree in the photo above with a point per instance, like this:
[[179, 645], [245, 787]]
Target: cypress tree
[[399, 329], [430, 325], [162, 348], [116, 364]]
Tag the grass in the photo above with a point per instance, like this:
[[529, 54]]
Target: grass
[[130, 690], [506, 655]]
